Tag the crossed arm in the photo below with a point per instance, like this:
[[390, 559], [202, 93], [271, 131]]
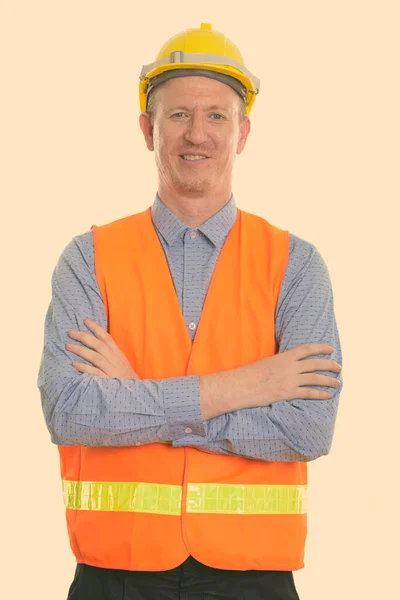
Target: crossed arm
[[81, 408]]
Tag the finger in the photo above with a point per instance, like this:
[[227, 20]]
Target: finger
[[97, 329], [101, 346], [321, 380], [311, 394], [91, 356], [87, 339], [83, 368], [318, 364], [115, 354]]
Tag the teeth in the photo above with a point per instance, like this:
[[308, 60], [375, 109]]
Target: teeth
[[193, 157]]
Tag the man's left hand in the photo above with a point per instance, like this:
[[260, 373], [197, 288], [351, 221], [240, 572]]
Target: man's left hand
[[101, 351]]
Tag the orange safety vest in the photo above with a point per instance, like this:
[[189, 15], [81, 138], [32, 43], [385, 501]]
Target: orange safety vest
[[148, 507]]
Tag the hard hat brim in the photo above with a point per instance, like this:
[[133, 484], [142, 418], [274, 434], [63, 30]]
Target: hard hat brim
[[224, 66]]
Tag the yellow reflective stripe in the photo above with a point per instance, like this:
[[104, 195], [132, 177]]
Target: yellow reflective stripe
[[166, 499], [246, 499], [123, 496]]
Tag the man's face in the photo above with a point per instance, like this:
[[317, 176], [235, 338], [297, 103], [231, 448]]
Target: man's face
[[195, 116]]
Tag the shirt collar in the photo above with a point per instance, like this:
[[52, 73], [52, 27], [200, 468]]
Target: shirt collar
[[216, 228]]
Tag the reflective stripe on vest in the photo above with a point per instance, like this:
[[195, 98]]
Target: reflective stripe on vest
[[165, 499]]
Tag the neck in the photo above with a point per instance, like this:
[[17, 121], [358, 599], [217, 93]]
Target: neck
[[191, 209]]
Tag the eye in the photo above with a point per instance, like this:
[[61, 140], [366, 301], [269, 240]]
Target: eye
[[178, 113], [218, 115]]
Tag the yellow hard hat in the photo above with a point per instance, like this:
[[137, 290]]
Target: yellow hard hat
[[200, 52]]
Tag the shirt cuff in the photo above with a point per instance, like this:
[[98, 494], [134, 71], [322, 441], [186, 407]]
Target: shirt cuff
[[182, 406]]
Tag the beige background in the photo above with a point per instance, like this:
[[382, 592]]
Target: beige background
[[322, 160]]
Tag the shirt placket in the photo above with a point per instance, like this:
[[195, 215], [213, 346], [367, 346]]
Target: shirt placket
[[191, 280]]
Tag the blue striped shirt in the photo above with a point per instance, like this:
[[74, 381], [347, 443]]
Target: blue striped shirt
[[81, 408]]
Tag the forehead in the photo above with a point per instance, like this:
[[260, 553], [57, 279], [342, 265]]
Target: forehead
[[197, 90]]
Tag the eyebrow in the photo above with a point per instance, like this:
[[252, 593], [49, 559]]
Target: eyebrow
[[213, 107]]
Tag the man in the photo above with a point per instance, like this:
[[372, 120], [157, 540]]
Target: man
[[182, 406]]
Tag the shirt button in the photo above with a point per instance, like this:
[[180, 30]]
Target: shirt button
[[188, 430], [193, 234], [192, 326], [137, 443]]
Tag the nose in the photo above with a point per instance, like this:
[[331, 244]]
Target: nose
[[196, 131]]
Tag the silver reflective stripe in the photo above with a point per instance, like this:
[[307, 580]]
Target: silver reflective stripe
[[197, 57]]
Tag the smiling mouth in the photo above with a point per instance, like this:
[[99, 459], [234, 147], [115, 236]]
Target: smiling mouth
[[193, 157]]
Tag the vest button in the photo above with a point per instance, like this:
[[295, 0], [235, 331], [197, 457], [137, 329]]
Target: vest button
[[188, 430], [192, 326]]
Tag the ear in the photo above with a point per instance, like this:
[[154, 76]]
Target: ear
[[147, 129], [244, 132]]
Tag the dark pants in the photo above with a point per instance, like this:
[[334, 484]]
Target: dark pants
[[190, 581]]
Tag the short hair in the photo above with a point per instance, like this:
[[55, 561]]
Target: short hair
[[151, 104]]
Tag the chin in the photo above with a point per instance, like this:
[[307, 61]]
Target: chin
[[193, 187]]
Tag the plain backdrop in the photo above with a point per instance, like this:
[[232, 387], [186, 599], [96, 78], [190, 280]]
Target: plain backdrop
[[322, 160]]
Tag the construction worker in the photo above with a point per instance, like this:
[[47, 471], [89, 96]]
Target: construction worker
[[191, 364]]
